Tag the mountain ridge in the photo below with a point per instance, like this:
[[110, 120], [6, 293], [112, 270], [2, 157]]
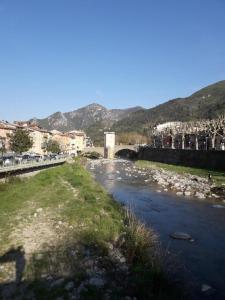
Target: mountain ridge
[[94, 118], [84, 117]]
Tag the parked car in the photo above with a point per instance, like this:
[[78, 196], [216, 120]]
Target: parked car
[[8, 161], [46, 157], [54, 156], [26, 158], [18, 159]]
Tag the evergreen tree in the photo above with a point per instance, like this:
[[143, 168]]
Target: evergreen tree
[[53, 146], [20, 141]]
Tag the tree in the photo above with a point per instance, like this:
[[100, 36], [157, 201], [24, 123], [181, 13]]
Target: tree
[[53, 146], [2, 146], [20, 141], [215, 127]]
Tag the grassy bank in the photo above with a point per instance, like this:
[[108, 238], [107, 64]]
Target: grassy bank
[[218, 177], [65, 236]]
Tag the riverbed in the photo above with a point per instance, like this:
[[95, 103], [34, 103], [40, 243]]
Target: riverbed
[[200, 261]]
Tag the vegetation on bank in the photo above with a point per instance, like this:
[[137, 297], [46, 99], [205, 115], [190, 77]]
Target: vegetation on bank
[[217, 177], [68, 232]]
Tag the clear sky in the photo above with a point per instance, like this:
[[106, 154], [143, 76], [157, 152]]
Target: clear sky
[[59, 55]]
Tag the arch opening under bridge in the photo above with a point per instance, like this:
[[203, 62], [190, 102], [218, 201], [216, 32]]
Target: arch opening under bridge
[[119, 150]]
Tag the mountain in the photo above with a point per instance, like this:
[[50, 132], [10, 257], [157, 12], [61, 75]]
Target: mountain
[[85, 117], [206, 103]]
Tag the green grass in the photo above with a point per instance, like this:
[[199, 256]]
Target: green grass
[[218, 177], [90, 220]]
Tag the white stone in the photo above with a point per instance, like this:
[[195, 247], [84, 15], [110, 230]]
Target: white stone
[[205, 288], [180, 235], [97, 281], [187, 193], [39, 210], [200, 195], [179, 193], [218, 206]]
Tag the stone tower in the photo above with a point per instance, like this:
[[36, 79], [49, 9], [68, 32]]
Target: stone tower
[[109, 145]]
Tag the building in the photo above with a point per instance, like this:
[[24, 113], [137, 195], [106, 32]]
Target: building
[[40, 139], [77, 141], [62, 139], [88, 142], [6, 130], [70, 143], [166, 125], [39, 136]]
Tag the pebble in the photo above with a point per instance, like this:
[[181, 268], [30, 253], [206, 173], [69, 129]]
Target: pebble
[[218, 206], [97, 281], [187, 193], [69, 286], [180, 235], [207, 290], [200, 195]]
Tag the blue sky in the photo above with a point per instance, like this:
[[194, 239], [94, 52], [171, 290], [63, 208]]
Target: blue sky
[[59, 55]]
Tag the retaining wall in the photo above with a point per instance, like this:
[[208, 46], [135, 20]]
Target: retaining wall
[[214, 160]]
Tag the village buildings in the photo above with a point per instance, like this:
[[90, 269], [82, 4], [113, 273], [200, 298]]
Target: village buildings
[[70, 142]]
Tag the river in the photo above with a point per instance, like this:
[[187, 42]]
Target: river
[[199, 262]]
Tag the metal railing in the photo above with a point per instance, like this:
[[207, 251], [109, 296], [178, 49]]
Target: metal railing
[[23, 165]]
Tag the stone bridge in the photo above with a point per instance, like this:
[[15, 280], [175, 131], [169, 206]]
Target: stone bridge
[[118, 149]]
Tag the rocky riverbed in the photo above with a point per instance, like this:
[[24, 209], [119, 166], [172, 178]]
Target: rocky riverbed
[[181, 184], [187, 185]]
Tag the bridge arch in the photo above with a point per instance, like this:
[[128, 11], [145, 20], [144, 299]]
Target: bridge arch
[[126, 153]]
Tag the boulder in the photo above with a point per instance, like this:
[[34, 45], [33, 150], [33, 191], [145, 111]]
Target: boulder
[[180, 235]]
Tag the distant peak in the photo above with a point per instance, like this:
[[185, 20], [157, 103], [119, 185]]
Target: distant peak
[[94, 105]]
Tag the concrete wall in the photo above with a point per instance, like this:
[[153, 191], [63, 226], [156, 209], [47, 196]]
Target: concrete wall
[[214, 160]]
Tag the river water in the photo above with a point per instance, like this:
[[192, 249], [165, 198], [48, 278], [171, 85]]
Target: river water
[[196, 263]]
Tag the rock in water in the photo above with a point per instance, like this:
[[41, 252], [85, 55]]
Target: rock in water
[[97, 281], [180, 236], [218, 206], [207, 290]]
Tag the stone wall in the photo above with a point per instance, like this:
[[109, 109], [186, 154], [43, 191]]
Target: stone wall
[[214, 160]]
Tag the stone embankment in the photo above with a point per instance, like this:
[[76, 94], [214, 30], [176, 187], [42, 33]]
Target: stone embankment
[[183, 184]]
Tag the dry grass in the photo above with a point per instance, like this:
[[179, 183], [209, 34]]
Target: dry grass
[[141, 241]]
